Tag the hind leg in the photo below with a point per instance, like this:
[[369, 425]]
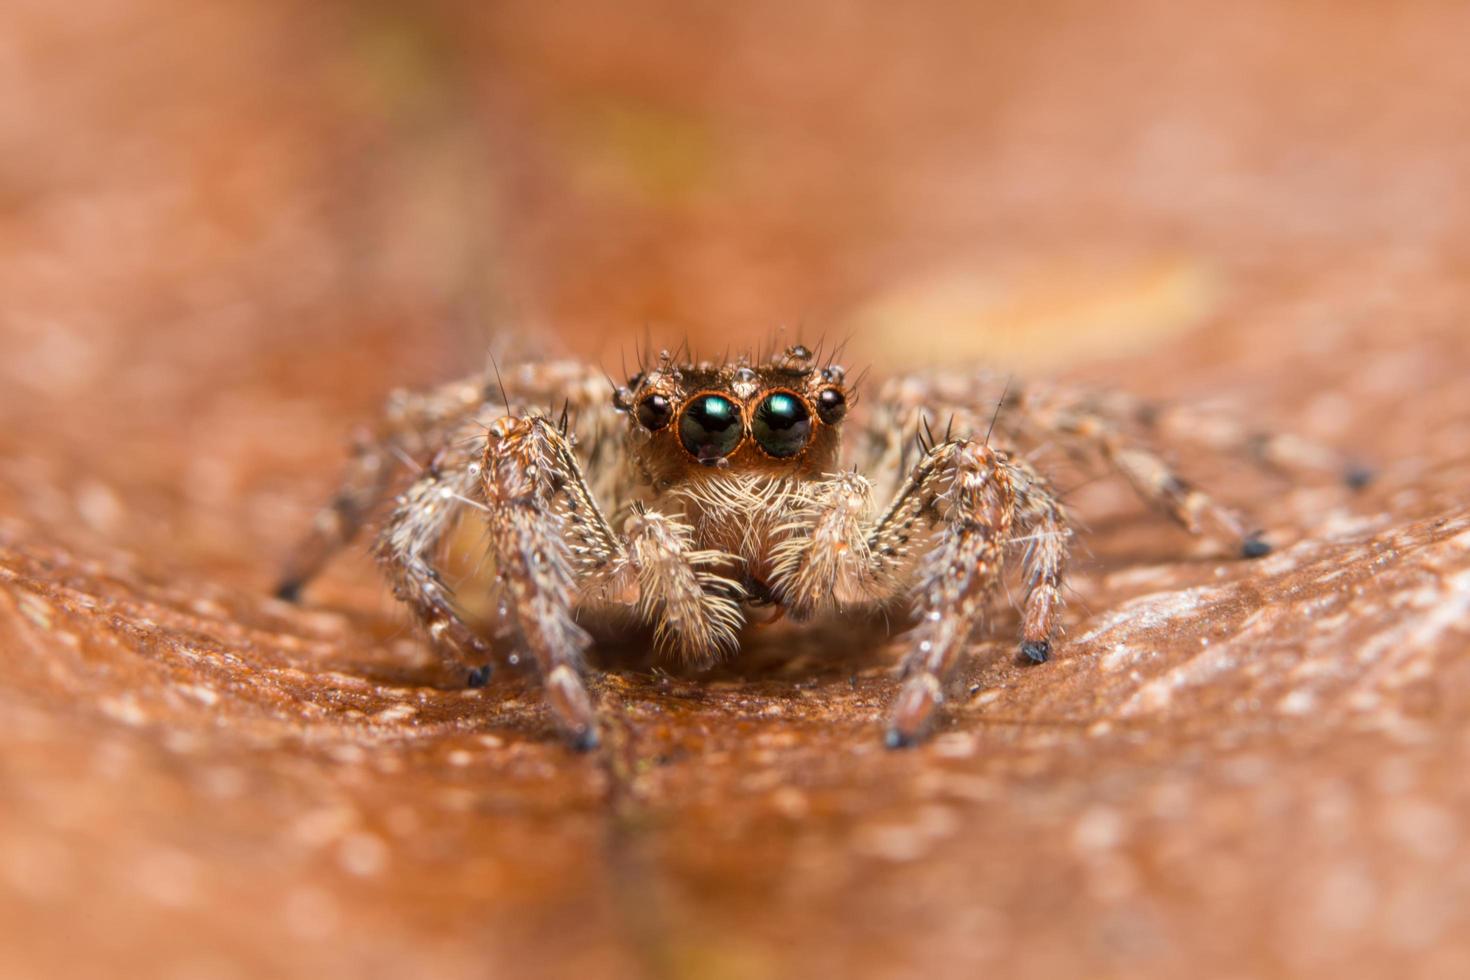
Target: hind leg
[[1091, 427]]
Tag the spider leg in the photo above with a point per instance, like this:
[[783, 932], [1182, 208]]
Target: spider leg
[[411, 423], [541, 527], [336, 524], [695, 610], [822, 561], [1279, 451], [1155, 480], [984, 503], [414, 424], [1086, 424], [411, 538], [524, 475]]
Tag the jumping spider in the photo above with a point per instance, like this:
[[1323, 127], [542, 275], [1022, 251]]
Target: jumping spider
[[699, 490]]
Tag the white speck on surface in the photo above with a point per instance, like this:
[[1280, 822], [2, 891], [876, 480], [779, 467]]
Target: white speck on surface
[[124, 708], [317, 827], [890, 842], [400, 712], [1150, 612], [900, 842], [1298, 702], [35, 609], [1098, 829], [1120, 655], [362, 854], [99, 507], [199, 692], [208, 607], [955, 745], [790, 802], [348, 753]]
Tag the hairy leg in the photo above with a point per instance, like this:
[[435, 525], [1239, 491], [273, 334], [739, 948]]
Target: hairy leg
[[1085, 424], [413, 426], [983, 504], [551, 549], [822, 561], [541, 526], [695, 611], [526, 467], [1151, 477], [409, 544]]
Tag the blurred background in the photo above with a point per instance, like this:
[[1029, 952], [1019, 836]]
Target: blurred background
[[242, 219], [228, 228]]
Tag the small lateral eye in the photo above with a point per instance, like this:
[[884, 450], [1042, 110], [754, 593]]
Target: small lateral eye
[[654, 412], [831, 405], [710, 428], [782, 425]]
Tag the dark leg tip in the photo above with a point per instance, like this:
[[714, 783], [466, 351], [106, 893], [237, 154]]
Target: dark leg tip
[[478, 677], [289, 590], [1255, 546], [1358, 476], [585, 741], [1036, 651], [895, 739]]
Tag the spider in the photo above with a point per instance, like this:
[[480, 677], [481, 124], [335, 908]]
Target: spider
[[698, 491]]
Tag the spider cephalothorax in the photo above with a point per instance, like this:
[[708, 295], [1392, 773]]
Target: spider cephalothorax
[[700, 489], [782, 417]]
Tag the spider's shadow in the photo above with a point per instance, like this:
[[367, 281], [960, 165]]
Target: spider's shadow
[[785, 651]]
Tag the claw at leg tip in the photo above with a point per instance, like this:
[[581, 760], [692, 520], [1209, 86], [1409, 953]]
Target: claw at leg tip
[[895, 739], [586, 741], [1255, 546], [1036, 651], [1358, 476], [289, 591]]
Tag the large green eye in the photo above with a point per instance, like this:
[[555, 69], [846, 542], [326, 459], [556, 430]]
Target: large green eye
[[782, 424], [710, 428]]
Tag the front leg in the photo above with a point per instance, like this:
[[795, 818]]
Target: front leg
[[823, 561], [983, 503], [412, 424], [541, 525], [520, 473], [695, 611]]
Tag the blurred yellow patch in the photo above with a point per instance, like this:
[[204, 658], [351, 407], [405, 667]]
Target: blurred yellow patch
[[1037, 316], [628, 148]]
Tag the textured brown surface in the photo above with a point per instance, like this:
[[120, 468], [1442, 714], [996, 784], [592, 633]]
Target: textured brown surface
[[227, 229]]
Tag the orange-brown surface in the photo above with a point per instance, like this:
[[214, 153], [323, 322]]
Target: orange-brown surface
[[227, 229]]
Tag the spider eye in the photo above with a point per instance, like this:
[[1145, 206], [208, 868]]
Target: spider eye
[[654, 412], [710, 428], [831, 405], [782, 424]]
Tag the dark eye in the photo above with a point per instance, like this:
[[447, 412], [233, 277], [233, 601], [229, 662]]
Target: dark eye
[[831, 405], [710, 428], [654, 412], [782, 424]]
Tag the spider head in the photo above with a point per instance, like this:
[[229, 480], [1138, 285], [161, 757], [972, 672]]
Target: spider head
[[781, 416]]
